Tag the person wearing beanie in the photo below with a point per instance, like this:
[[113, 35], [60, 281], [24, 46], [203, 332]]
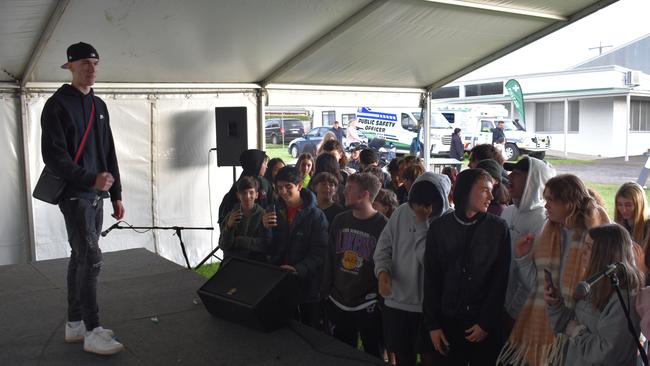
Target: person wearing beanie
[[78, 147], [499, 190], [466, 266], [399, 267]]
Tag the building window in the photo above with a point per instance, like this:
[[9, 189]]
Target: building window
[[346, 118], [549, 117], [328, 118], [476, 90], [446, 92], [640, 115]]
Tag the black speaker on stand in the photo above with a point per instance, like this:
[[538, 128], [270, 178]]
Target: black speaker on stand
[[232, 134], [258, 295]]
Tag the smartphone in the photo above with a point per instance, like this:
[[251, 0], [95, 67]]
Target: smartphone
[[549, 278]]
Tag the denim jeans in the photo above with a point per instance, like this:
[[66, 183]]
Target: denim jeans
[[83, 222]]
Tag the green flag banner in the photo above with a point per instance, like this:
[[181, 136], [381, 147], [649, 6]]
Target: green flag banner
[[517, 95]]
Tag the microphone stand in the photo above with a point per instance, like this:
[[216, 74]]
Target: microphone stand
[[177, 229], [615, 282]]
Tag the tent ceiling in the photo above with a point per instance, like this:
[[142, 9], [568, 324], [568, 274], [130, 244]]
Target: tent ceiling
[[398, 43]]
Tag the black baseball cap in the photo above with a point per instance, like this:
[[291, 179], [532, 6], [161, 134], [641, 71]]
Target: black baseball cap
[[522, 165], [80, 51], [492, 167]]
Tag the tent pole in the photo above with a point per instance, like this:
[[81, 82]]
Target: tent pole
[[31, 241], [566, 127], [261, 141], [628, 117], [426, 129]]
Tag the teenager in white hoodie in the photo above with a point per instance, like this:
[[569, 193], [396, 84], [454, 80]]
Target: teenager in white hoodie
[[526, 215], [399, 267]]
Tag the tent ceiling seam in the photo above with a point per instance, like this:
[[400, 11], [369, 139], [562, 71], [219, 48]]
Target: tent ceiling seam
[[322, 40], [52, 22], [500, 9], [521, 43]]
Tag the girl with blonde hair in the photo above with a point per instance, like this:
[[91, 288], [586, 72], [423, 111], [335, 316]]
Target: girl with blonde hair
[[632, 211], [571, 212]]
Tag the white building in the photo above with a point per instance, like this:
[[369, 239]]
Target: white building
[[600, 107]]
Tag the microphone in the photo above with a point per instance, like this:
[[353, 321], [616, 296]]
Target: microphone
[[105, 232], [584, 287]]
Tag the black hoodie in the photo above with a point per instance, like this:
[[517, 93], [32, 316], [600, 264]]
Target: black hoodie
[[63, 122], [466, 269]]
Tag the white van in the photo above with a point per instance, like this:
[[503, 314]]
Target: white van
[[400, 127], [477, 121]]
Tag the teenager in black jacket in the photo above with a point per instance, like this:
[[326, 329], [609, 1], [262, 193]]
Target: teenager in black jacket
[[67, 115], [467, 261], [299, 240]]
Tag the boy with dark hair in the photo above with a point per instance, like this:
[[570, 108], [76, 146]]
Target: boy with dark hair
[[352, 310], [367, 158], [483, 152], [253, 161], [399, 267], [467, 261], [299, 238], [324, 186], [242, 233]]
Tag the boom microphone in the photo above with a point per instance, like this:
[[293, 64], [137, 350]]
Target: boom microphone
[[105, 232], [584, 287]]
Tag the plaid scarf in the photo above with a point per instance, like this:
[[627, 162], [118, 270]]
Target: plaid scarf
[[533, 341]]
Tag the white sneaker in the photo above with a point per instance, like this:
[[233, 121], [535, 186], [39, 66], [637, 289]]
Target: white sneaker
[[101, 342], [76, 334]]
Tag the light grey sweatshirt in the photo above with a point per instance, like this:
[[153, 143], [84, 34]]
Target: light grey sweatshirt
[[400, 250], [606, 339], [527, 216]]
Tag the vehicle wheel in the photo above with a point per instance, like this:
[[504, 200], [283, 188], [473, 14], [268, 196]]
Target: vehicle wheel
[[294, 151], [274, 139], [539, 155], [512, 152]]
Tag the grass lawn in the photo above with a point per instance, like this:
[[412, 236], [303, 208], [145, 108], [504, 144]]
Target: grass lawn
[[278, 151], [207, 270], [558, 161]]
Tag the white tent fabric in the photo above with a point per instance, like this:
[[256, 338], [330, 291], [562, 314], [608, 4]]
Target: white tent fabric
[[14, 241], [164, 68], [163, 148]]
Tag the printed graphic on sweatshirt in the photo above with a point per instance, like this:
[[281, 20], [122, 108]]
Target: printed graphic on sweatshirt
[[354, 247]]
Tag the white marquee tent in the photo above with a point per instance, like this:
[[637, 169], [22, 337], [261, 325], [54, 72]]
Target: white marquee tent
[[165, 66]]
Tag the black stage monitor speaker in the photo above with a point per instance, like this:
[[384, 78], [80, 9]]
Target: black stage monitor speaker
[[254, 294], [232, 138]]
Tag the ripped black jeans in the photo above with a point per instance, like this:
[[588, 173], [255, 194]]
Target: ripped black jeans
[[83, 222]]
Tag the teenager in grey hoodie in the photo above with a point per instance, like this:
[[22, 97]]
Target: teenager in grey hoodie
[[399, 267], [526, 215]]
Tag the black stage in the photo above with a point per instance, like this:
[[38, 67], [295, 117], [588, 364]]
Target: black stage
[[152, 305]]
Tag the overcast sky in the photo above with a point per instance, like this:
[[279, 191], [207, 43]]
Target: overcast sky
[[614, 25]]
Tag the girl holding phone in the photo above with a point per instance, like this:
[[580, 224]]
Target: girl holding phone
[[596, 325]]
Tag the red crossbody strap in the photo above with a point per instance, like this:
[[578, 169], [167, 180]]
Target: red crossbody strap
[[83, 141]]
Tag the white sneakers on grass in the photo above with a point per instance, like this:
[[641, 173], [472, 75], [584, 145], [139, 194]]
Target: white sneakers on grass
[[100, 341]]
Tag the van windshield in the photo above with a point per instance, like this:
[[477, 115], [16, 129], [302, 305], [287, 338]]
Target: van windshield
[[438, 121], [511, 125]]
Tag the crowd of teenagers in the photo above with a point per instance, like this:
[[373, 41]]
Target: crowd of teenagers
[[470, 267]]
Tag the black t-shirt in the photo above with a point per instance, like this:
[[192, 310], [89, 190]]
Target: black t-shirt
[[332, 211], [352, 244]]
